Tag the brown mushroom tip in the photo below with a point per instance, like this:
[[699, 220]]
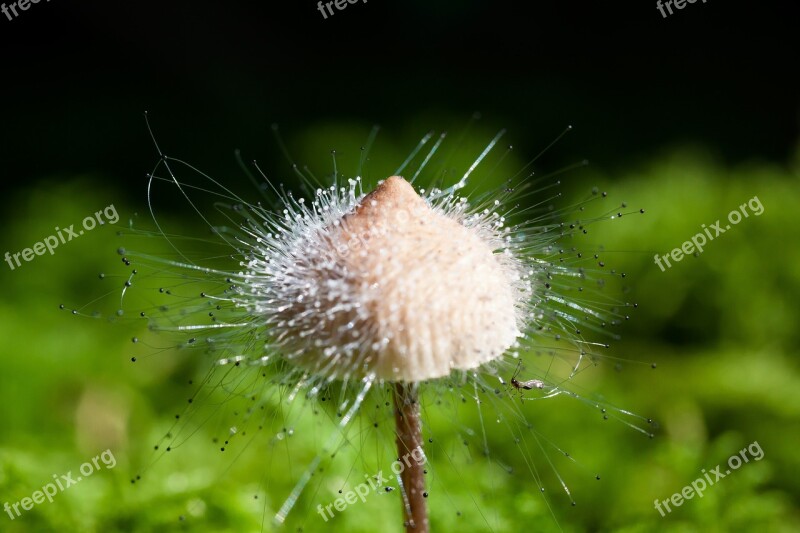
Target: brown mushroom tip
[[392, 193]]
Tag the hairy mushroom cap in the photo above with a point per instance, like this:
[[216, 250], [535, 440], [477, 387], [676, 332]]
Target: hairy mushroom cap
[[405, 292]]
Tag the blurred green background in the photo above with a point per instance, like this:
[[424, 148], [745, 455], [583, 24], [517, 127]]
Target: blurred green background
[[720, 326], [688, 135]]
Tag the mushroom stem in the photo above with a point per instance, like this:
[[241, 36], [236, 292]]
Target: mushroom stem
[[409, 439]]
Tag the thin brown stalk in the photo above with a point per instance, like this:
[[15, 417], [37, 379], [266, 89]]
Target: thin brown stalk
[[409, 438]]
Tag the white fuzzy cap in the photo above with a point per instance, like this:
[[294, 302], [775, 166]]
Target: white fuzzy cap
[[403, 291]]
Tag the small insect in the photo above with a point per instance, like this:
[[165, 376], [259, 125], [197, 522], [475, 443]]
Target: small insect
[[525, 385]]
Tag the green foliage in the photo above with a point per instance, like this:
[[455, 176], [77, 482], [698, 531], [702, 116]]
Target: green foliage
[[721, 326]]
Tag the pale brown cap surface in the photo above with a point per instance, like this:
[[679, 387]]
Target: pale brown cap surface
[[418, 292]]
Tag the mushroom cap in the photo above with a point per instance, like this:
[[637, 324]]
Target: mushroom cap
[[406, 292]]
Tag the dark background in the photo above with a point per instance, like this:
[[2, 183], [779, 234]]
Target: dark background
[[78, 75]]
